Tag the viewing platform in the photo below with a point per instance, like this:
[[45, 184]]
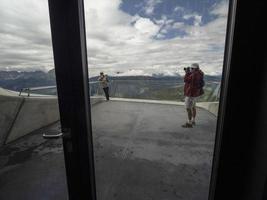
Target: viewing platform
[[141, 153]]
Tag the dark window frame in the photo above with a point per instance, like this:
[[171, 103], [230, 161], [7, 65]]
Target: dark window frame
[[71, 68], [223, 94], [69, 45]]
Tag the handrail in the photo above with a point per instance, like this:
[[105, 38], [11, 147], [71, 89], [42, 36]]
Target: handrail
[[28, 90], [114, 83]]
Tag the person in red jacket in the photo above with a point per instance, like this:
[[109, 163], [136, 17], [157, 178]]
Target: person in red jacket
[[193, 88], [186, 80]]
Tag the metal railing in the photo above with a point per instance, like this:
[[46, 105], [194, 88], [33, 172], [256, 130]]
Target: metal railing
[[29, 90], [160, 90], [50, 90], [139, 89]]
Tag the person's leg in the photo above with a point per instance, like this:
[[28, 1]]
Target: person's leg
[[106, 93], [188, 105], [189, 113], [194, 112]]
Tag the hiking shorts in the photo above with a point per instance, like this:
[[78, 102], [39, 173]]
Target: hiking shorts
[[190, 102]]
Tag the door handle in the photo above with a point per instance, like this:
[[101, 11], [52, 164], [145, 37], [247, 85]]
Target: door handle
[[55, 134], [52, 136]]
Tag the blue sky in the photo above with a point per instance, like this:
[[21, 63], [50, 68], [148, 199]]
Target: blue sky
[[175, 10], [133, 37]]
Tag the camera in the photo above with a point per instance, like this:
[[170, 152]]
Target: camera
[[187, 69]]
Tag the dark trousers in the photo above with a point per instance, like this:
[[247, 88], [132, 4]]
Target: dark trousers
[[106, 90]]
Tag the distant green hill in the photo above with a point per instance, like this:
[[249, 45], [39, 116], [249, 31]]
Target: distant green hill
[[159, 89]]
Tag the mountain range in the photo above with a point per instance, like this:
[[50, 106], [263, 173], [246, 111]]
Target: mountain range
[[16, 80]]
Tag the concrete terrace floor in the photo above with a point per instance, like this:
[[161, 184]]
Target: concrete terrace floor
[[141, 153]]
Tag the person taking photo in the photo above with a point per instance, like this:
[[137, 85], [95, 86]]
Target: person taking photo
[[103, 79], [193, 89]]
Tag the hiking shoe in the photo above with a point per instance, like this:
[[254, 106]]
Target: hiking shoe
[[187, 125]]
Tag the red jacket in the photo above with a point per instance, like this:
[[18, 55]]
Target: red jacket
[[192, 80], [186, 84]]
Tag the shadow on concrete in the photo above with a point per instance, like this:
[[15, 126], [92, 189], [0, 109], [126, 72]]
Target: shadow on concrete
[[141, 153]]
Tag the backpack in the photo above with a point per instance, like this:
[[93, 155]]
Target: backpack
[[201, 83], [107, 78]]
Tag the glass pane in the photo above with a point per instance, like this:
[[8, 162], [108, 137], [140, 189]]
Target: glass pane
[[31, 167], [147, 144]]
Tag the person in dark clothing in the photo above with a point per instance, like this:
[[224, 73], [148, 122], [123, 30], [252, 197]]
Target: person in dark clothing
[[192, 90], [103, 79]]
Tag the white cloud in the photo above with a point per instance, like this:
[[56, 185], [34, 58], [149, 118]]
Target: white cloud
[[197, 18], [150, 6], [134, 72], [178, 25], [25, 39], [220, 8], [178, 9], [116, 40], [146, 27]]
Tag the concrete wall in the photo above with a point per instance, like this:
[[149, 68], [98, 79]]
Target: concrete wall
[[9, 107], [20, 115], [34, 114], [212, 107]]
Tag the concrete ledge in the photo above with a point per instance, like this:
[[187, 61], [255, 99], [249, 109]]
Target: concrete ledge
[[212, 107], [148, 101], [9, 107], [20, 115], [96, 99], [34, 114], [4, 92]]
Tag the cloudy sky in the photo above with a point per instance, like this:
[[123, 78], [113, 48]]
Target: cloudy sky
[[125, 37]]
